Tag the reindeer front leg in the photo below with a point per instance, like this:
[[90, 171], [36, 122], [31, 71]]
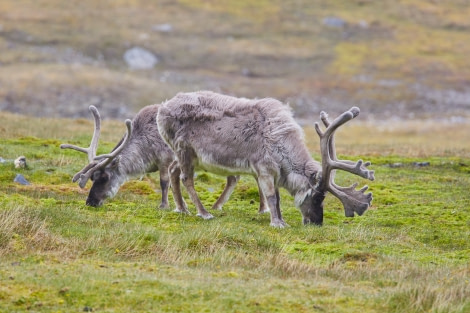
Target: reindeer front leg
[[266, 185]]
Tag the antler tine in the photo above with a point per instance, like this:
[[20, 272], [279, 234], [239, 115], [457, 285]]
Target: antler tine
[[103, 160], [91, 150], [353, 200], [110, 156], [84, 175]]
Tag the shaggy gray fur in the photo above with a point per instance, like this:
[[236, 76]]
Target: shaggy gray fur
[[230, 136], [145, 152]]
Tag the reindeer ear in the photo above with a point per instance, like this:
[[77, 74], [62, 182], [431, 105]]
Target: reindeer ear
[[115, 162], [312, 171], [315, 178]]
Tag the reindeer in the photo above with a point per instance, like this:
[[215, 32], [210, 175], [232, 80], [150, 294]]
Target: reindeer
[[232, 136], [141, 150]]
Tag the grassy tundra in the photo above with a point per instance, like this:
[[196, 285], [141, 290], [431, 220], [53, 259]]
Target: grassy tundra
[[408, 253]]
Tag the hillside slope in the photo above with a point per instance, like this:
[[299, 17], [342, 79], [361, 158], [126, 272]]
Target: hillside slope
[[391, 58]]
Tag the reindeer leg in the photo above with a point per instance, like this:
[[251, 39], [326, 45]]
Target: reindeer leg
[[263, 203], [164, 182], [228, 190], [174, 173], [187, 176], [266, 184]]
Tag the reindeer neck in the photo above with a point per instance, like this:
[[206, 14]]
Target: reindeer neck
[[299, 172]]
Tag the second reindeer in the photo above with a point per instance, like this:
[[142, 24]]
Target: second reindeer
[[231, 136]]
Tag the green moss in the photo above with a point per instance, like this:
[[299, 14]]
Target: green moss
[[414, 235]]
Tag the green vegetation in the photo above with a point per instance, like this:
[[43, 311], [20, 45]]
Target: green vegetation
[[409, 253]]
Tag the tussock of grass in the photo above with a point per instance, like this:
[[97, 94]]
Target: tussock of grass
[[23, 231]]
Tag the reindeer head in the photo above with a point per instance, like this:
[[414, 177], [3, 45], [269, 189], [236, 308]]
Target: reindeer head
[[354, 201], [103, 170]]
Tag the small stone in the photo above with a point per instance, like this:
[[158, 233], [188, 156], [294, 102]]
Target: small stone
[[421, 164], [21, 180], [333, 21], [64, 290], [363, 24], [163, 28], [20, 162], [140, 59]]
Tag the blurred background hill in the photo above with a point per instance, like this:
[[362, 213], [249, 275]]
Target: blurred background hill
[[394, 59]]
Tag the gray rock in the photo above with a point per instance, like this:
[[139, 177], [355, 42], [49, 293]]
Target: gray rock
[[163, 28], [21, 180], [140, 59], [20, 162], [333, 21], [421, 164], [2, 160]]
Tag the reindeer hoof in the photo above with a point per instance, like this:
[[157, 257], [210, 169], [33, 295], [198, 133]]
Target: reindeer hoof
[[182, 211], [264, 210], [163, 206], [279, 224], [216, 207], [207, 216]]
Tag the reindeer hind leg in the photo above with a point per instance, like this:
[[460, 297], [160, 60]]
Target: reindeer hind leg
[[164, 183], [228, 190], [187, 176], [174, 173]]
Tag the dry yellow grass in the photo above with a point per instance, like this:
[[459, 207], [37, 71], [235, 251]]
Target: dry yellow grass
[[412, 138]]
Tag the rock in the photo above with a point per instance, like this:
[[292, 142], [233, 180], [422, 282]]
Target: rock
[[163, 28], [333, 21], [2, 160], [140, 59], [363, 24], [20, 162], [21, 180], [421, 164]]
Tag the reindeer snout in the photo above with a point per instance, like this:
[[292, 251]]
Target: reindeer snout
[[93, 202]]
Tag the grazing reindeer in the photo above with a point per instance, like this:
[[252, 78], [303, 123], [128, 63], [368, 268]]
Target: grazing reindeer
[[227, 135], [140, 151]]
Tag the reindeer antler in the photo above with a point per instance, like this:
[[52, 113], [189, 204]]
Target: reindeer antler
[[353, 200], [91, 150], [101, 161]]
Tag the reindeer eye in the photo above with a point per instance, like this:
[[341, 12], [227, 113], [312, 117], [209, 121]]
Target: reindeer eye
[[97, 175]]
